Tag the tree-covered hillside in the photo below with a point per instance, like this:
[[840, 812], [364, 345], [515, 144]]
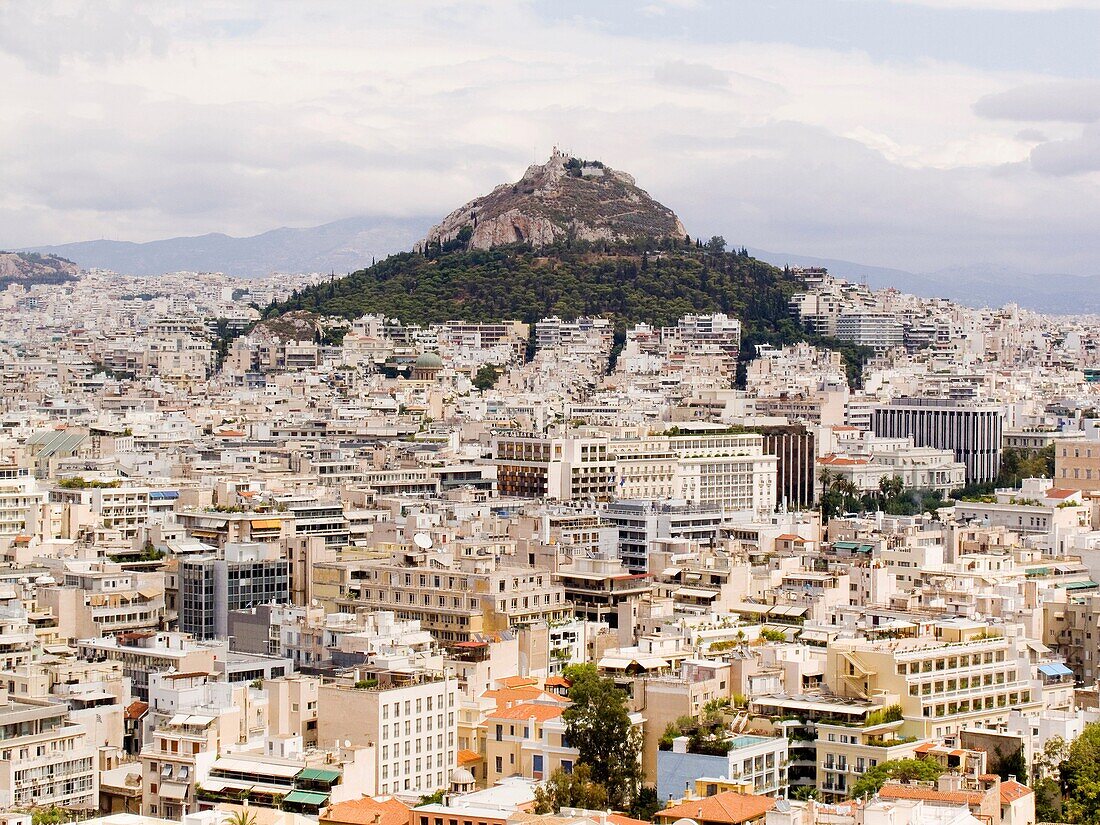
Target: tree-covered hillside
[[518, 282]]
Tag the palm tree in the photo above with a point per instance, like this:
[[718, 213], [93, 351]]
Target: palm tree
[[241, 817]]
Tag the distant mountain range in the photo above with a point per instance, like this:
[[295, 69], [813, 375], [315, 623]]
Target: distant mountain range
[[350, 244], [975, 286], [341, 246]]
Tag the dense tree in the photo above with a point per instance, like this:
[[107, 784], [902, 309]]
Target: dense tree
[[902, 770], [598, 725], [1081, 777], [486, 377], [646, 803], [570, 790]]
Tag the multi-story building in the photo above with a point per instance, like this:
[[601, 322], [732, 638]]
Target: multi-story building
[[879, 330], [965, 675], [45, 759], [20, 502], [146, 653], [597, 583], [641, 523], [530, 465], [1077, 464], [971, 431], [455, 598], [407, 714], [243, 576]]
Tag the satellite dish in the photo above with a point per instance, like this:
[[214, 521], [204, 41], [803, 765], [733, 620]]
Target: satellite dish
[[782, 805], [347, 743], [423, 541]]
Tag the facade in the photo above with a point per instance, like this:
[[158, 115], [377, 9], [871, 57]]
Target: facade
[[45, 759], [639, 524], [243, 576], [971, 431], [408, 716], [1077, 464], [453, 598]]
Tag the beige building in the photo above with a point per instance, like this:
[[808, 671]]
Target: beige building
[[1077, 464], [455, 598], [846, 752], [965, 675], [409, 716]]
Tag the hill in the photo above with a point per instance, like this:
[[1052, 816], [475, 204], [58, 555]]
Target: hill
[[564, 198], [30, 268], [519, 282], [341, 246]]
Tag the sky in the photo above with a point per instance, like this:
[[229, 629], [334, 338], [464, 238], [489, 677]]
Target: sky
[[916, 134]]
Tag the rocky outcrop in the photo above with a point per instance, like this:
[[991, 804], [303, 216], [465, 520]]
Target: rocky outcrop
[[34, 268], [562, 198]]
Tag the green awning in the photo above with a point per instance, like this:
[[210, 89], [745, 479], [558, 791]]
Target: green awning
[[1089, 585], [315, 800], [318, 775]]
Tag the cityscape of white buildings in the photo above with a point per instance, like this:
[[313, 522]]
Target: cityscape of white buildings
[[326, 575]]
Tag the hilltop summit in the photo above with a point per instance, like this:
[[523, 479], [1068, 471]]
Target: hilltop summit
[[562, 198]]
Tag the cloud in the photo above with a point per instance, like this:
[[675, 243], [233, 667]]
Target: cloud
[[1072, 101], [1069, 157], [696, 75], [1006, 5], [261, 115]]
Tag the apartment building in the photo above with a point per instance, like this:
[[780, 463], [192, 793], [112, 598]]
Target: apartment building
[[112, 505], [846, 752], [145, 653], [879, 330], [242, 576], [971, 431], [597, 583], [45, 759], [531, 465], [455, 598], [102, 599], [1077, 464], [966, 674], [20, 502], [409, 715], [640, 524], [177, 759]]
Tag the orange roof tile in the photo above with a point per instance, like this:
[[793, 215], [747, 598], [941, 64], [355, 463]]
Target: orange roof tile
[[728, 807], [1055, 492], [897, 790], [517, 681], [620, 819], [506, 697], [1013, 790], [367, 811], [466, 757], [558, 681], [522, 713]]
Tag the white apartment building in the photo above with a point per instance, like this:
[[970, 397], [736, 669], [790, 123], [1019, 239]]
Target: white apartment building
[[409, 715], [45, 759]]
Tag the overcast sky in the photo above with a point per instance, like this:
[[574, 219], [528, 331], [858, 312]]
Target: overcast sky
[[916, 134]]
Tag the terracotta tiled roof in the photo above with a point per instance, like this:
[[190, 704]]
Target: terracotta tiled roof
[[506, 697], [729, 807], [892, 790], [367, 811], [135, 710], [522, 713], [558, 681], [517, 681], [1013, 790], [620, 819], [1055, 492], [466, 757]]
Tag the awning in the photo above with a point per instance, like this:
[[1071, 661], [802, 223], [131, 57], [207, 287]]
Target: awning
[[172, 790], [1055, 669], [694, 593], [318, 775], [266, 523], [315, 800]]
